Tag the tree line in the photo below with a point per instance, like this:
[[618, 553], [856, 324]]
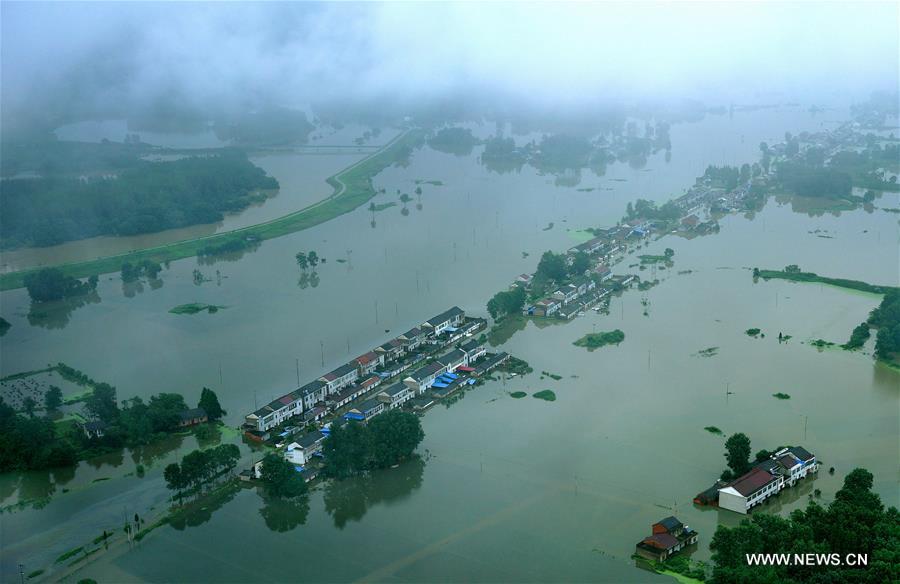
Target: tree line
[[142, 198], [49, 284]]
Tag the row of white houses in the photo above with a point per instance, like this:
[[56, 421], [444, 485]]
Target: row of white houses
[[767, 478], [357, 377]]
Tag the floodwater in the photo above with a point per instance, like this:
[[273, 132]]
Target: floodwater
[[507, 489]]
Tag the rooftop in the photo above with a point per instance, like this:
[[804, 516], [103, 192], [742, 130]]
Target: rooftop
[[751, 482], [445, 316]]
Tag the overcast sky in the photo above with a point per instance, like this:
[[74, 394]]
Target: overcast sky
[[246, 54]]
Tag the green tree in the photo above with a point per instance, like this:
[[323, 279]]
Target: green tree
[[280, 477], [136, 423], [302, 261], [580, 264], [552, 266], [53, 398], [101, 403], [28, 404], [163, 410], [395, 436], [209, 401], [313, 258], [506, 302], [348, 450], [737, 453], [669, 253]]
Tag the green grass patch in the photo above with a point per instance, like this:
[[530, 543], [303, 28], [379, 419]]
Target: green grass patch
[[821, 344], [546, 395], [714, 430], [69, 554], [36, 573], [752, 332], [352, 189], [593, 341], [553, 376], [780, 395], [708, 352], [195, 307], [652, 259], [518, 394]]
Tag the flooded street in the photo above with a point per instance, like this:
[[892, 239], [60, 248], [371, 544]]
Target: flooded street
[[505, 483]]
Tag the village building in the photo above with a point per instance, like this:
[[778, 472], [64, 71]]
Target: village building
[[546, 307], [192, 417], [453, 359], [366, 410], [669, 537], [395, 395], [368, 362], [603, 271], [446, 320], [589, 247], [413, 338], [341, 377], [300, 451], [750, 490], [566, 294], [391, 350], [422, 378], [473, 350], [312, 393], [94, 429]]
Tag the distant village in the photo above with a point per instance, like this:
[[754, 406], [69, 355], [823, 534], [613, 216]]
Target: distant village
[[429, 362]]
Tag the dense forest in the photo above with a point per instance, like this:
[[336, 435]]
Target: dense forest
[[142, 198]]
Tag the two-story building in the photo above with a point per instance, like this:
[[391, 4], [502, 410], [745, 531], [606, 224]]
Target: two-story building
[[669, 537], [750, 490], [396, 395], [450, 318], [313, 393], [366, 410], [473, 350], [413, 338], [368, 362], [340, 378], [422, 378]]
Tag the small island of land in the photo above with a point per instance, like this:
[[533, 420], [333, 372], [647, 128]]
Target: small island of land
[[195, 307], [593, 341], [545, 395]]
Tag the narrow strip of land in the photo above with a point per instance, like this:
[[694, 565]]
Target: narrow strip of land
[[797, 276], [352, 188]]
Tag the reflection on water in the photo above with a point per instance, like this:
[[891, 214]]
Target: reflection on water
[[282, 515], [350, 499], [194, 515], [56, 314]]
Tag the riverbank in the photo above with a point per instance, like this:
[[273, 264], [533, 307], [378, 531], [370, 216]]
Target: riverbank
[[352, 188], [813, 277]]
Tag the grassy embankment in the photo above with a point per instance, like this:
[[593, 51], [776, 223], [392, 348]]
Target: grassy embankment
[[352, 188], [813, 277]]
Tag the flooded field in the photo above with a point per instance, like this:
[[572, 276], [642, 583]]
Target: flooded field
[[505, 483]]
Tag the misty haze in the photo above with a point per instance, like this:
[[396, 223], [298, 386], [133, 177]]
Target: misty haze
[[449, 292]]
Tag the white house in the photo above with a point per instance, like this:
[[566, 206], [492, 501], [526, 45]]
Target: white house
[[395, 395], [749, 490], [340, 377], [447, 319], [423, 377]]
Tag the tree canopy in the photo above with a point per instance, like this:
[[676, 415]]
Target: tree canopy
[[52, 284], [353, 448], [280, 477], [737, 453], [209, 401]]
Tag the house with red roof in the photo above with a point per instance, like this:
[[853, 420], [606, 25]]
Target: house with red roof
[[669, 537]]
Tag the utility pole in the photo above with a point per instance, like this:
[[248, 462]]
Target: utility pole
[[376, 311], [322, 348], [298, 371]]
